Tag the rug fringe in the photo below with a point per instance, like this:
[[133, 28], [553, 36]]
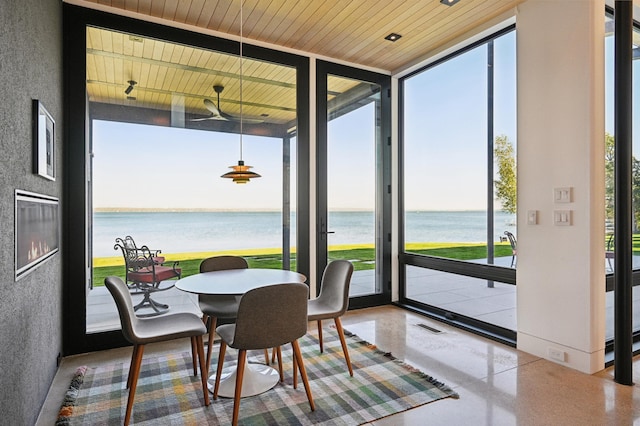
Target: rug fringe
[[70, 397], [443, 387]]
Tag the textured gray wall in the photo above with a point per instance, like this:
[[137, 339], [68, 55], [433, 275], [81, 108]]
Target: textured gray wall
[[30, 309]]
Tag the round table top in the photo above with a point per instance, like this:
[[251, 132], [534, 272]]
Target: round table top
[[236, 281]]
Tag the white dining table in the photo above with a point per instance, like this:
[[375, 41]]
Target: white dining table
[[257, 378]]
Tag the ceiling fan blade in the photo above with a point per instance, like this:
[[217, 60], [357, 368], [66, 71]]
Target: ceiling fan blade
[[237, 119], [215, 112], [202, 119]]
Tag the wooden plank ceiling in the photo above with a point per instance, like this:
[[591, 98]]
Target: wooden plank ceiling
[[347, 30]]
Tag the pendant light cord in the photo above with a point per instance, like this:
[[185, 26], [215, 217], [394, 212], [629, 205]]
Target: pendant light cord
[[241, 79]]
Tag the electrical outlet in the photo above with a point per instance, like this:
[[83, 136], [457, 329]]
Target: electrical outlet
[[557, 354]]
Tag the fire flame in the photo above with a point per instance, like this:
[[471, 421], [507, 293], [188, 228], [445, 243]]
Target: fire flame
[[38, 249]]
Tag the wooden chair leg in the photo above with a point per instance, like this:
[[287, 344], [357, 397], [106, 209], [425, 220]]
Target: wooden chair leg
[[194, 354], [212, 334], [216, 387], [273, 355], [303, 372], [133, 358], [295, 371], [279, 352], [266, 356], [320, 335], [242, 359], [133, 376], [204, 368], [344, 344]]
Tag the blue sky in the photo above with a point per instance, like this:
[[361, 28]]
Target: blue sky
[[161, 167], [446, 128]]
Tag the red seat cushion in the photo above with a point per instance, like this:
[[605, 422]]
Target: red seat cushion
[[145, 275]]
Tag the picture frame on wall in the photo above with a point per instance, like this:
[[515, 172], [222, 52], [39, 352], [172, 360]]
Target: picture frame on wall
[[44, 142]]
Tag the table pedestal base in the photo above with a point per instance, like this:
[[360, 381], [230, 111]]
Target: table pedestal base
[[257, 378]]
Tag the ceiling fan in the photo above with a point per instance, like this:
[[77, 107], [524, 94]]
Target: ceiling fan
[[217, 114]]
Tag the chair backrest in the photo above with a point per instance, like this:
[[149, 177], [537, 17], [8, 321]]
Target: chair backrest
[[221, 263], [512, 240], [271, 316], [334, 288], [122, 297]]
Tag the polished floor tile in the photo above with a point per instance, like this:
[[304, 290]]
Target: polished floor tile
[[497, 384]]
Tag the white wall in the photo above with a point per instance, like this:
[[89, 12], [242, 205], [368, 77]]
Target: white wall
[[561, 289]]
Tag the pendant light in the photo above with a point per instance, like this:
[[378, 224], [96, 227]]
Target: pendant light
[[240, 173]]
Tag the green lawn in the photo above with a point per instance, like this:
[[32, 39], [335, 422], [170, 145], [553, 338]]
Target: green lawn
[[361, 257]]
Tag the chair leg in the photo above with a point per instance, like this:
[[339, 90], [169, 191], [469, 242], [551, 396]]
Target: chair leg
[[204, 368], [295, 371], [133, 378], [216, 387], [279, 352], [266, 357], [344, 344], [212, 334], [194, 353], [131, 365], [320, 335], [303, 372], [242, 358]]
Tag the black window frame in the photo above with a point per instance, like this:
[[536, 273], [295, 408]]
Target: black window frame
[[76, 254]]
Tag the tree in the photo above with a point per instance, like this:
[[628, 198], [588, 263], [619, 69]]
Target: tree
[[505, 186], [609, 182]]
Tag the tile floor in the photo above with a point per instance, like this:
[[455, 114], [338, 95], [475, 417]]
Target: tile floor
[[498, 385]]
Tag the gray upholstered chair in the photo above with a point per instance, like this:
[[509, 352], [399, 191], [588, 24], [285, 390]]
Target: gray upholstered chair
[[268, 317], [219, 306], [333, 301], [141, 331]]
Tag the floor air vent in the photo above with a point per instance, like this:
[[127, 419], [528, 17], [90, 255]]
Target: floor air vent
[[429, 328]]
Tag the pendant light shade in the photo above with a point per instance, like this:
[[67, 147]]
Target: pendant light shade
[[241, 173]]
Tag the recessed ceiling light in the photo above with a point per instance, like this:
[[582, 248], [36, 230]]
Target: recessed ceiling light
[[393, 37], [449, 2]]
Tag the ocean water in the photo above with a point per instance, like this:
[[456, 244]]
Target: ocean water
[[179, 232]]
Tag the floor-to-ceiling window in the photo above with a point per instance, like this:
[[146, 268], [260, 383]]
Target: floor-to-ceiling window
[[160, 143], [458, 172], [161, 115]]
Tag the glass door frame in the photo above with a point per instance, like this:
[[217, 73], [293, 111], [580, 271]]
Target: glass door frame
[[383, 170]]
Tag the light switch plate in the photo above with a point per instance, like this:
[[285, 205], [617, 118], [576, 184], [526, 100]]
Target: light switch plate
[[562, 195], [532, 217], [562, 217]]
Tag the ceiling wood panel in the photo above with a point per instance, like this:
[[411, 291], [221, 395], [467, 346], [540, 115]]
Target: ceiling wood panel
[[348, 30]]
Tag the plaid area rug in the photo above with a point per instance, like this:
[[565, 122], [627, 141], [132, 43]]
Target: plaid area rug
[[169, 394]]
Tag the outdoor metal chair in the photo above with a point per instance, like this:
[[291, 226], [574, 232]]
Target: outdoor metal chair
[[609, 253], [513, 242], [144, 273]]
